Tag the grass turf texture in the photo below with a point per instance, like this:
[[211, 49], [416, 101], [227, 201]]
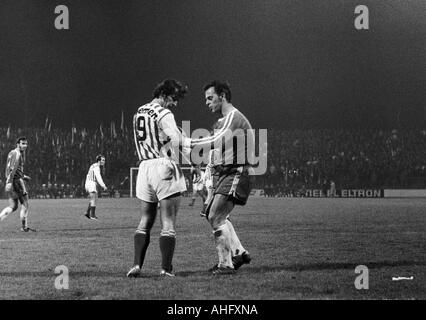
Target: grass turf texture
[[301, 249]]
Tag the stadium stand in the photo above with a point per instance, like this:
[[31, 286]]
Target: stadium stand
[[57, 159]]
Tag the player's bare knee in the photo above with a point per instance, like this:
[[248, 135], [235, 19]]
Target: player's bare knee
[[144, 225], [168, 223], [216, 220]]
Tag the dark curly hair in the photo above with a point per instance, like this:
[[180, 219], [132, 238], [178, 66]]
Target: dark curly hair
[[99, 157], [170, 87], [21, 139]]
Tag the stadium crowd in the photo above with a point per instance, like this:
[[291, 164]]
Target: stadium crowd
[[57, 160], [314, 159]]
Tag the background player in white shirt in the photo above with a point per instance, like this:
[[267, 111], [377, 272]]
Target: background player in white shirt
[[160, 178], [208, 181], [94, 178], [198, 180]]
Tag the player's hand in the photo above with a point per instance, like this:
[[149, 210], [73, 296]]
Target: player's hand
[[8, 187], [186, 150], [26, 178], [105, 188]]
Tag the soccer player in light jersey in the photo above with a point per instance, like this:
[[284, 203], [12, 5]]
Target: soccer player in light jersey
[[198, 180], [230, 173], [208, 182], [160, 178], [94, 178], [15, 183]]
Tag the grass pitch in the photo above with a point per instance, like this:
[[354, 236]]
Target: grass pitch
[[301, 249]]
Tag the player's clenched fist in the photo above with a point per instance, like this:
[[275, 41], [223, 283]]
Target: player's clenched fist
[[26, 178]]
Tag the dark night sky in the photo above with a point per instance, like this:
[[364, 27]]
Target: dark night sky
[[291, 64]]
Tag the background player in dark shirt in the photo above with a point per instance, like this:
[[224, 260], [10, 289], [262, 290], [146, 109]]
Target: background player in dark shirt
[[230, 174], [15, 183]]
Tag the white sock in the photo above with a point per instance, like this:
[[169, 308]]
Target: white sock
[[222, 237], [24, 215], [236, 246]]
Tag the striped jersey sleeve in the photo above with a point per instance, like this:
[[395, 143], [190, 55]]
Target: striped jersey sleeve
[[147, 133]]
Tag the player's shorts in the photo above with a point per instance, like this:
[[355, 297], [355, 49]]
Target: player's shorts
[[198, 186], [233, 182], [230, 181], [90, 187], [158, 179], [19, 190]]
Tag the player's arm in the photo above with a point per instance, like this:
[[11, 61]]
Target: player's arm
[[204, 177], [225, 132], [12, 166], [99, 179], [168, 124]]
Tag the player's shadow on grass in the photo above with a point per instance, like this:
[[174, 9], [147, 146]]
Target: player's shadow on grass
[[87, 229], [244, 270], [51, 274], [312, 267], [350, 265]]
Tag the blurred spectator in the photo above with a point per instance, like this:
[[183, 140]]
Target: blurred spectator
[[298, 160]]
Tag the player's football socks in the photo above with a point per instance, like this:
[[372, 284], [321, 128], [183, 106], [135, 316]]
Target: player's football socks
[[89, 209], [235, 243], [134, 272], [222, 239], [241, 259], [93, 214], [141, 240], [167, 247]]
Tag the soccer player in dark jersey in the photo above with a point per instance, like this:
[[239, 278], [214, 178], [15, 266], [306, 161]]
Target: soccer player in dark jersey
[[15, 183], [230, 174], [160, 179]]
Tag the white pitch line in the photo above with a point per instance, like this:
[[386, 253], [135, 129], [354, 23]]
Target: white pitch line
[[402, 278]]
